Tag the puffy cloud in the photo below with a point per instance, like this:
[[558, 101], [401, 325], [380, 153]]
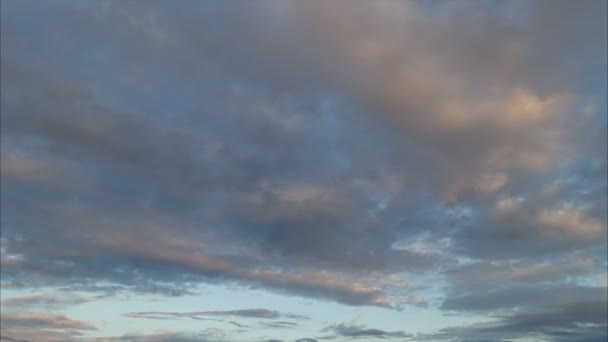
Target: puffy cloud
[[114, 247]]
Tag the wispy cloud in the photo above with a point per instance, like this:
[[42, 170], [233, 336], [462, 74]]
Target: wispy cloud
[[44, 321], [245, 313], [44, 301]]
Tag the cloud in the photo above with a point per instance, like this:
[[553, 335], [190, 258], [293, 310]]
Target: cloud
[[41, 327], [500, 298], [10, 339], [356, 331], [44, 322], [279, 325], [416, 302], [571, 222], [317, 284], [521, 223], [395, 62], [480, 274], [43, 301], [313, 149], [574, 321], [244, 313], [207, 335]]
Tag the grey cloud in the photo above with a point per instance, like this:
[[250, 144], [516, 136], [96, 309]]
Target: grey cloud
[[298, 143], [326, 39], [368, 40], [574, 321], [509, 297], [10, 339], [560, 321], [43, 301], [279, 325], [237, 324], [208, 335], [482, 274], [511, 227], [136, 285], [245, 313], [356, 331], [43, 321], [195, 265], [39, 335], [154, 148]]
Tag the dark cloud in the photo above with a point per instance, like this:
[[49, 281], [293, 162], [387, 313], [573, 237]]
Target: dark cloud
[[521, 296], [484, 274], [237, 324], [279, 325], [245, 313], [574, 321], [356, 331], [208, 335], [510, 229]]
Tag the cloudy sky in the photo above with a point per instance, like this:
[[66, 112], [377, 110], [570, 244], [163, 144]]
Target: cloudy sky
[[339, 170]]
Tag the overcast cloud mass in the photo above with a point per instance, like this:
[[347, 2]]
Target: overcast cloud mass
[[303, 170]]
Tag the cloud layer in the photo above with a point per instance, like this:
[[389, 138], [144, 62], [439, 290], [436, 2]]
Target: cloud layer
[[336, 151]]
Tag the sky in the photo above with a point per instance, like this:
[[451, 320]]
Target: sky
[[301, 171]]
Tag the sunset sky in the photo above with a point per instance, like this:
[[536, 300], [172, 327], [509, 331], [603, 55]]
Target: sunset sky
[[304, 170]]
